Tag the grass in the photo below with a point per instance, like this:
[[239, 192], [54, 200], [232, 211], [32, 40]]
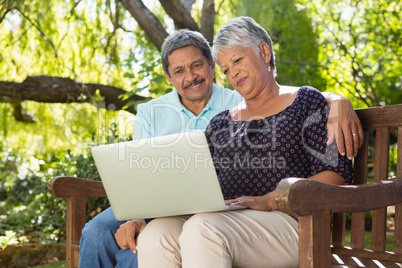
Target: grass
[[61, 264], [367, 240]]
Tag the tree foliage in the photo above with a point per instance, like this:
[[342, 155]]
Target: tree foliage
[[361, 48]]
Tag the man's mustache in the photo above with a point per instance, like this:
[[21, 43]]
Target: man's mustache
[[195, 82]]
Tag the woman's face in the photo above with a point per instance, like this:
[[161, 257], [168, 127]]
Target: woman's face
[[246, 71]]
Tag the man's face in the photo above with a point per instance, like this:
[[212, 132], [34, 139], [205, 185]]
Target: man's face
[[190, 74]]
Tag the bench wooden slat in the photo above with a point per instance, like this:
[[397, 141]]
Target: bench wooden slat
[[338, 229], [379, 229], [70, 186], [398, 229], [76, 218], [398, 207], [357, 230], [380, 116], [312, 227], [76, 254], [399, 156], [381, 163], [360, 177]]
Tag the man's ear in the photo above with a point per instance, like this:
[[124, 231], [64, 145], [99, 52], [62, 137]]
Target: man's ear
[[168, 77], [265, 52], [213, 65]]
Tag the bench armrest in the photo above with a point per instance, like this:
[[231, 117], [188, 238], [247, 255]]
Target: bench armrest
[[301, 197], [70, 186], [76, 191]]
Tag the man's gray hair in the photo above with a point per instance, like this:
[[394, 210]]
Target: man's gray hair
[[183, 38], [245, 32]]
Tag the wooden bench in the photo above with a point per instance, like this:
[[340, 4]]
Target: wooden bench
[[320, 208]]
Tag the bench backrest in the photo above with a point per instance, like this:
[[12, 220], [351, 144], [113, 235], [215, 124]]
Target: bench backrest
[[378, 124]]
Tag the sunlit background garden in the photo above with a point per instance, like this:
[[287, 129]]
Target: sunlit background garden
[[352, 48]]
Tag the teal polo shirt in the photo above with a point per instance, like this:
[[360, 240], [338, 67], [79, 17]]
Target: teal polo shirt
[[167, 115]]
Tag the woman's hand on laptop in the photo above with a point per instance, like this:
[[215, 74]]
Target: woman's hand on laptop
[[127, 234], [265, 203]]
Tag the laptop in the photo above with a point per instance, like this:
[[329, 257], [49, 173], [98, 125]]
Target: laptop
[[160, 176]]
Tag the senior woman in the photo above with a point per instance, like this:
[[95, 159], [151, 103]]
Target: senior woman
[[277, 132]]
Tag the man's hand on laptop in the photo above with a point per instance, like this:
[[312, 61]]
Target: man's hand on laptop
[[127, 234]]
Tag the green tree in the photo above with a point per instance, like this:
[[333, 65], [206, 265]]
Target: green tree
[[360, 48]]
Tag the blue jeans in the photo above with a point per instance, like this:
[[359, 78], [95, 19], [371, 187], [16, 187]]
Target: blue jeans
[[98, 247]]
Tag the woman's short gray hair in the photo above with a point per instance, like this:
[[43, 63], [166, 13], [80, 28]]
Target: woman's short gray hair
[[183, 38], [245, 32]]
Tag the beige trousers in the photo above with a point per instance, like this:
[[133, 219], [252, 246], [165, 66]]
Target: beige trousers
[[241, 238]]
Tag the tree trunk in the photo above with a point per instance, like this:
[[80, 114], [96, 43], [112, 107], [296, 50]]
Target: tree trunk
[[181, 17], [147, 21], [49, 89], [208, 20]]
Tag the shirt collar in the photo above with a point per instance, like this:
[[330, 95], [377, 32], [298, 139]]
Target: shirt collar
[[175, 100], [214, 102]]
